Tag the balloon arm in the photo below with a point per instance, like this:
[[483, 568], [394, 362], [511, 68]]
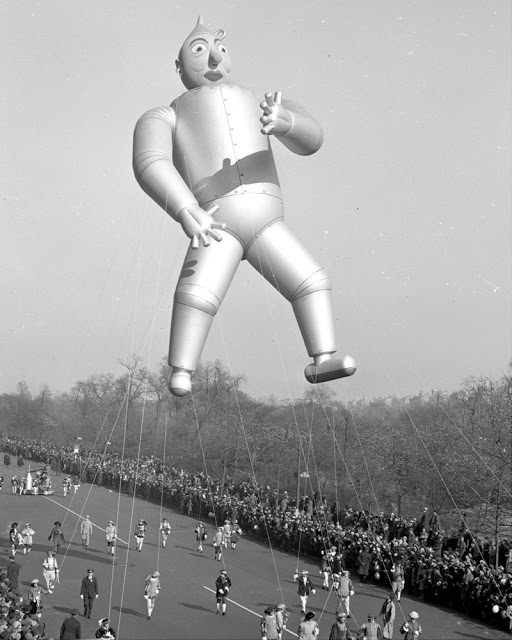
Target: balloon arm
[[305, 136], [153, 165]]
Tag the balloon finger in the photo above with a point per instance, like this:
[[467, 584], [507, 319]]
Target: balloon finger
[[218, 225], [215, 235], [277, 97], [270, 99], [213, 209], [195, 242], [267, 129], [204, 239]]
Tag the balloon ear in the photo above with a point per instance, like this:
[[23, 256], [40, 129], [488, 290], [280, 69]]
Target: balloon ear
[[178, 68]]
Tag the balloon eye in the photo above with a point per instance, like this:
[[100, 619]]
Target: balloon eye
[[197, 48], [222, 48]]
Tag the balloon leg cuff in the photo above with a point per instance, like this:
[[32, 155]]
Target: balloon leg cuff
[[331, 369]]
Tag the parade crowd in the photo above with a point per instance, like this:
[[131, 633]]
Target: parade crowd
[[452, 569]]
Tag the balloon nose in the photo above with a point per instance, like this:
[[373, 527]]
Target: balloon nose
[[214, 58]]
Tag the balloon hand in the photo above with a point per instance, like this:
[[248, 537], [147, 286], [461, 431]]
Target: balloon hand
[[276, 119], [199, 224]]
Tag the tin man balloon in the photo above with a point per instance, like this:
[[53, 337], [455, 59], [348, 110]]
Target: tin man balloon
[[207, 161]]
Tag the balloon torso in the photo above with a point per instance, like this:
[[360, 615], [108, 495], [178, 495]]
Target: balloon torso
[[220, 152]]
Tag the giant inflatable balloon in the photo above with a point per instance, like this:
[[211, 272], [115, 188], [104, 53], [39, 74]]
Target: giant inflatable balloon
[[207, 161]]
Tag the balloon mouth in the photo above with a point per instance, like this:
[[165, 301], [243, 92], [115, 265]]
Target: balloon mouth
[[213, 75]]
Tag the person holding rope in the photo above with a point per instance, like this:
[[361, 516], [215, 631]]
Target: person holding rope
[[151, 591], [56, 536], [370, 630], [411, 630], [340, 630], [282, 615], [344, 592], [111, 536], [268, 625], [28, 538], [222, 587], [140, 532], [50, 570], [308, 628], [105, 630], [305, 589], [201, 535], [165, 530], [218, 541]]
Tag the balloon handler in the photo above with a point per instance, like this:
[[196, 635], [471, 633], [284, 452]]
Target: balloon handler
[[207, 161]]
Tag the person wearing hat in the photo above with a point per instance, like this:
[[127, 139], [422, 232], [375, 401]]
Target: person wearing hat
[[340, 630], [140, 532], [201, 535], [50, 570], [105, 630], [165, 531], [35, 594], [15, 539], [89, 592], [222, 587], [387, 613], [86, 531], [66, 485], [370, 630], [397, 579], [151, 590], [268, 625], [282, 615], [305, 589], [56, 536], [71, 628], [111, 536], [236, 532], [308, 628], [344, 591], [227, 533], [218, 541], [28, 538], [411, 629]]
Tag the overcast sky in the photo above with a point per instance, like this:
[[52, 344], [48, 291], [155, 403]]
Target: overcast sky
[[407, 204]]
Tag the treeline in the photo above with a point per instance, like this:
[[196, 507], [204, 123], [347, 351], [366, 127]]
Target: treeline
[[450, 452]]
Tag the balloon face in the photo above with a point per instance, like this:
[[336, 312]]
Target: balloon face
[[204, 60]]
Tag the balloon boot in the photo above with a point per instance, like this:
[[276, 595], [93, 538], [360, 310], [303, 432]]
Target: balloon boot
[[330, 369], [180, 384]]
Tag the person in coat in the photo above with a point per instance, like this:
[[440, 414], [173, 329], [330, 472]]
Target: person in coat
[[387, 613], [308, 628], [70, 628], [340, 630], [305, 589], [111, 537], [89, 592], [370, 630], [344, 591], [151, 590], [105, 630], [268, 625], [56, 536], [86, 531], [364, 562], [13, 571], [222, 587], [35, 595], [282, 615], [411, 630], [397, 579], [140, 532], [28, 538]]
